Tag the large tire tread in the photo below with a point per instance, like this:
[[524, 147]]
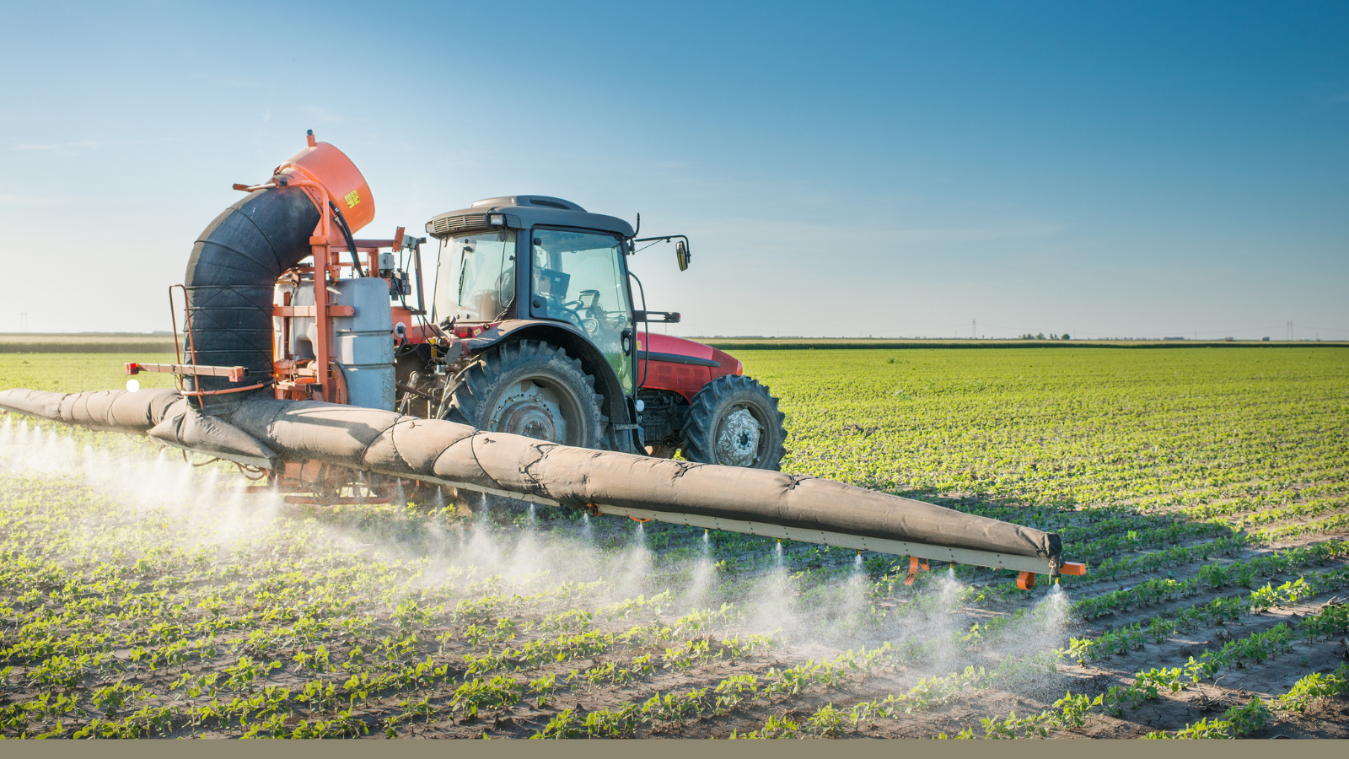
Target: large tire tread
[[480, 381], [710, 403]]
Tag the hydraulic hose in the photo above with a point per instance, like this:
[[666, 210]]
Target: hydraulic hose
[[351, 241]]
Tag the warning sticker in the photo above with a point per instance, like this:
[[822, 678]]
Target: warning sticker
[[352, 199]]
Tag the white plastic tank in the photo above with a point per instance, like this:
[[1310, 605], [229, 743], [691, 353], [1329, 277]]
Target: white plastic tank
[[362, 344]]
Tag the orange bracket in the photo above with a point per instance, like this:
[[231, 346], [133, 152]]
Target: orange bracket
[[312, 311], [1025, 580], [914, 565], [254, 187], [199, 393], [1073, 568], [234, 373]]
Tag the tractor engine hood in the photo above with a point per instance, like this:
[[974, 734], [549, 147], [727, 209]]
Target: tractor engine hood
[[654, 346]]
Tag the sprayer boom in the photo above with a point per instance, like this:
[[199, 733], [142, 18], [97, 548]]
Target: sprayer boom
[[282, 434]]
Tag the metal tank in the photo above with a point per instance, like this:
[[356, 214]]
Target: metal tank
[[362, 343]]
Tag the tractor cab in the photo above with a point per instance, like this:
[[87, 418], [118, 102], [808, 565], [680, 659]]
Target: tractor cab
[[534, 331], [536, 257]]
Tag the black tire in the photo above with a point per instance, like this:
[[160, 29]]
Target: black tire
[[526, 388], [713, 418]]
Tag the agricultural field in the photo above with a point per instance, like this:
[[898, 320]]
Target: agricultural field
[[1206, 488]]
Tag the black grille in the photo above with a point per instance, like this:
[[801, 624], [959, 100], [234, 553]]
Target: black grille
[[447, 225]]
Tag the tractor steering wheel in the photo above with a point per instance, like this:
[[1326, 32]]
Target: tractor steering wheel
[[575, 316], [572, 310]]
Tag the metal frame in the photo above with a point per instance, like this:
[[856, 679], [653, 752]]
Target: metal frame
[[234, 373], [994, 560], [859, 542], [238, 458]]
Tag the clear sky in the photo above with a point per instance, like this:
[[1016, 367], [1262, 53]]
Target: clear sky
[[897, 168]]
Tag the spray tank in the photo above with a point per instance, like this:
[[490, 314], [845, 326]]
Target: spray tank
[[362, 342], [268, 354]]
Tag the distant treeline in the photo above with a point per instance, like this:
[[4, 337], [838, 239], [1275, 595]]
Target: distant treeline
[[114, 346]]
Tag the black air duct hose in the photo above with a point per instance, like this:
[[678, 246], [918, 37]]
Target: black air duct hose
[[230, 282]]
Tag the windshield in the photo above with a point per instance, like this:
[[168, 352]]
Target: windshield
[[578, 278], [475, 277]]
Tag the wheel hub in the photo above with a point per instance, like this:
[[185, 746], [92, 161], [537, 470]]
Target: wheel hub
[[531, 410], [738, 439]]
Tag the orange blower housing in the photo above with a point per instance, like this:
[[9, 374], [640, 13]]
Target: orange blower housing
[[338, 180]]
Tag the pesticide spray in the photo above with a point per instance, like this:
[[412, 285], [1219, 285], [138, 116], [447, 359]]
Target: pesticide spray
[[817, 615]]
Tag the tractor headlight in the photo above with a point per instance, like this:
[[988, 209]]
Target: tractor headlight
[[496, 219]]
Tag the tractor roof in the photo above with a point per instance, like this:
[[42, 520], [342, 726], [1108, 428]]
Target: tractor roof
[[523, 212]]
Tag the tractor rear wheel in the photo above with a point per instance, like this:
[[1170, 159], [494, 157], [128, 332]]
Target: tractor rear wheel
[[734, 421], [533, 389]]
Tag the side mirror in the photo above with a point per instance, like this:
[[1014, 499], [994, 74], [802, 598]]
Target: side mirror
[[682, 254]]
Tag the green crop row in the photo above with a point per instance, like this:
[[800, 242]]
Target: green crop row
[[1240, 721], [1191, 618], [1073, 711], [729, 694], [1212, 576]]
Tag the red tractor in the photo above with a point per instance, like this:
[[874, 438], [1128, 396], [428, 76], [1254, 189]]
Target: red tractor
[[533, 330]]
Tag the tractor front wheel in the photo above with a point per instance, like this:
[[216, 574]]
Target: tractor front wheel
[[533, 389], [734, 421]]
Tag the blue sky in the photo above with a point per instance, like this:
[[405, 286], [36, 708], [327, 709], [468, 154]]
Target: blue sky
[[891, 169]]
